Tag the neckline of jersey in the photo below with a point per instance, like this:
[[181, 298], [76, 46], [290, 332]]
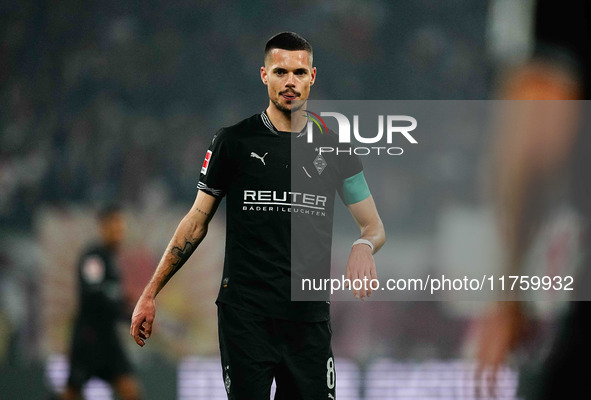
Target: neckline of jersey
[[269, 125]]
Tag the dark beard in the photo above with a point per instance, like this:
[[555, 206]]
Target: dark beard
[[286, 111]]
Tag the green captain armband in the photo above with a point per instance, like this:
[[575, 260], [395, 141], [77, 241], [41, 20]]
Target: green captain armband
[[355, 189]]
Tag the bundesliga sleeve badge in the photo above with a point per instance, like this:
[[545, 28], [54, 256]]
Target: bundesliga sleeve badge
[[206, 162], [93, 270]]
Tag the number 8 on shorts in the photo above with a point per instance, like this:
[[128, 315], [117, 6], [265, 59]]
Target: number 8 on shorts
[[330, 374]]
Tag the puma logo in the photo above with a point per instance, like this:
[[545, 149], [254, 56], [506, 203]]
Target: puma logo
[[255, 155]]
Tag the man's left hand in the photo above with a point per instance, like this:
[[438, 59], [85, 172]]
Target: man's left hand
[[359, 266]]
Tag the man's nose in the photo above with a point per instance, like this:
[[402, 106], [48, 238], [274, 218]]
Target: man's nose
[[290, 80]]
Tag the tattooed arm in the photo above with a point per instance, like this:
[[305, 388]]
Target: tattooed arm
[[190, 232]]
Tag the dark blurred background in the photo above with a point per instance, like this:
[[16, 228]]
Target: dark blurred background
[[109, 99], [103, 100]]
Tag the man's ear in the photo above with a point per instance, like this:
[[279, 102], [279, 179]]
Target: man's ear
[[264, 75], [313, 76]]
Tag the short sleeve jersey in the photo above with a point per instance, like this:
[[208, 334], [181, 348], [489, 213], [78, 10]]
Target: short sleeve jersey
[[274, 182]]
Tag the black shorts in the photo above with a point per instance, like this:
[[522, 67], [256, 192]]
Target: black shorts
[[255, 349], [95, 355]]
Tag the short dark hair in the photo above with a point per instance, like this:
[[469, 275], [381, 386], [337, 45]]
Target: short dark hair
[[108, 210], [288, 41]]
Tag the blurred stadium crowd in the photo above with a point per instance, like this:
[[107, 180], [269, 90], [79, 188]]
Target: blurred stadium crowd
[[117, 99]]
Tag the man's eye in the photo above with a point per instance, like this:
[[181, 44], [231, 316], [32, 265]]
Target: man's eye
[[280, 72]]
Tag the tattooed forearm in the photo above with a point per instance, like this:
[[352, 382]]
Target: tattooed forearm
[[187, 237], [179, 257], [200, 211]]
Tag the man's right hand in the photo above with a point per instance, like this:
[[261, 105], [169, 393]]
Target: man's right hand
[[142, 319]]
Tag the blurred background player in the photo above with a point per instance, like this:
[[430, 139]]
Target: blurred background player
[[542, 141], [96, 348]]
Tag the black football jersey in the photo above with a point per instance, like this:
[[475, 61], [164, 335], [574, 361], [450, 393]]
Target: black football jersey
[[100, 293], [280, 195]]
